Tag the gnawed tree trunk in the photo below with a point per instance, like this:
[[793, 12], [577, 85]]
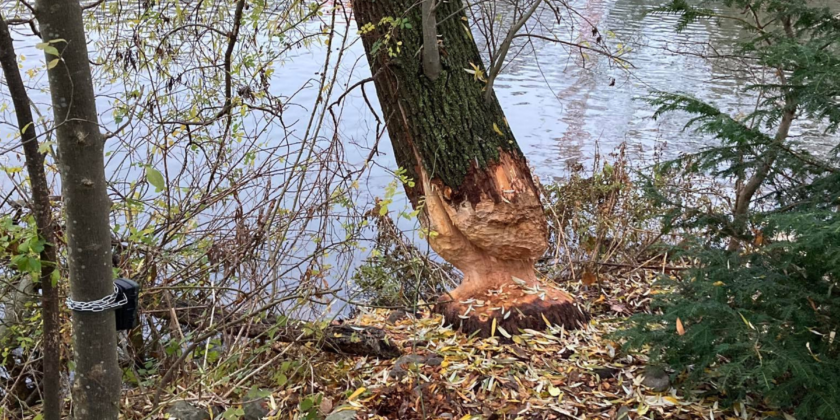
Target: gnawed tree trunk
[[81, 163], [478, 197]]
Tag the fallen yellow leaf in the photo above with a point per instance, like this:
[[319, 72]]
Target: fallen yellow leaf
[[497, 130], [356, 393], [548, 324]]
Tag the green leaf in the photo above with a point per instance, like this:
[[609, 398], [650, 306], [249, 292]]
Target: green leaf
[[306, 404], [45, 147], [36, 245], [47, 48], [233, 413], [155, 178], [54, 277], [21, 261], [53, 63], [255, 393]]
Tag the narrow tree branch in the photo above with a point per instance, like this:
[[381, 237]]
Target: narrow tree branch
[[233, 37], [603, 52], [92, 4], [497, 62], [745, 194], [431, 55], [368, 341]]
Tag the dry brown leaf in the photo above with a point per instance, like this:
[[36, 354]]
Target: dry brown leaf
[[326, 406], [589, 278], [680, 328]]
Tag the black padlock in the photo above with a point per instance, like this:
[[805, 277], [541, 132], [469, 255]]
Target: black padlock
[[127, 314]]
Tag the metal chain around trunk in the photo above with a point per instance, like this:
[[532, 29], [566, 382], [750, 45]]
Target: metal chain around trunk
[[112, 301]]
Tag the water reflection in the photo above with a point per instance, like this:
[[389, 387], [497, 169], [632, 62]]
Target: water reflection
[[561, 110], [560, 104]]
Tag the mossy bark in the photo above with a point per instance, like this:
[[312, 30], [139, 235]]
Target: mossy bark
[[446, 122], [472, 181]]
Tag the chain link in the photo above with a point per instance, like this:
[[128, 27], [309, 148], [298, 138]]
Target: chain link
[[112, 301]]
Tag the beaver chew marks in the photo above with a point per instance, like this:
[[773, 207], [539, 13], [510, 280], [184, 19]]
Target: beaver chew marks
[[493, 234]]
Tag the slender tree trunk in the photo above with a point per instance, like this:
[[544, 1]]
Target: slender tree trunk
[[43, 218], [747, 191], [744, 195], [475, 188], [96, 388]]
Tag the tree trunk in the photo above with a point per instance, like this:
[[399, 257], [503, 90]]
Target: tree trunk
[[744, 195], [96, 388], [43, 219], [479, 200]]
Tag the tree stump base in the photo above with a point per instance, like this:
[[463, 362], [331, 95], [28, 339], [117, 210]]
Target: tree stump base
[[514, 306]]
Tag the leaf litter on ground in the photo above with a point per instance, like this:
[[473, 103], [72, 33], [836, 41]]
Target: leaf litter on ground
[[551, 374]]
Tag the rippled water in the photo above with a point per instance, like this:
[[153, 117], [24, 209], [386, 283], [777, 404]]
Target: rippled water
[[562, 106], [561, 110]]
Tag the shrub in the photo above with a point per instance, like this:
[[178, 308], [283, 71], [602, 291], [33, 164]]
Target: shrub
[[762, 322], [758, 312]]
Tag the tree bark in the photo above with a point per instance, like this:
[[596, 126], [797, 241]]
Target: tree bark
[[472, 182], [96, 387], [43, 219]]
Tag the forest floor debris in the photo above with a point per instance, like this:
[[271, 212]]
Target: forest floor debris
[[551, 374]]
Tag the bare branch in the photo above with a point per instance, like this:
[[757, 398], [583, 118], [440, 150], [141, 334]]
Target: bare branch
[[497, 62], [603, 52]]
